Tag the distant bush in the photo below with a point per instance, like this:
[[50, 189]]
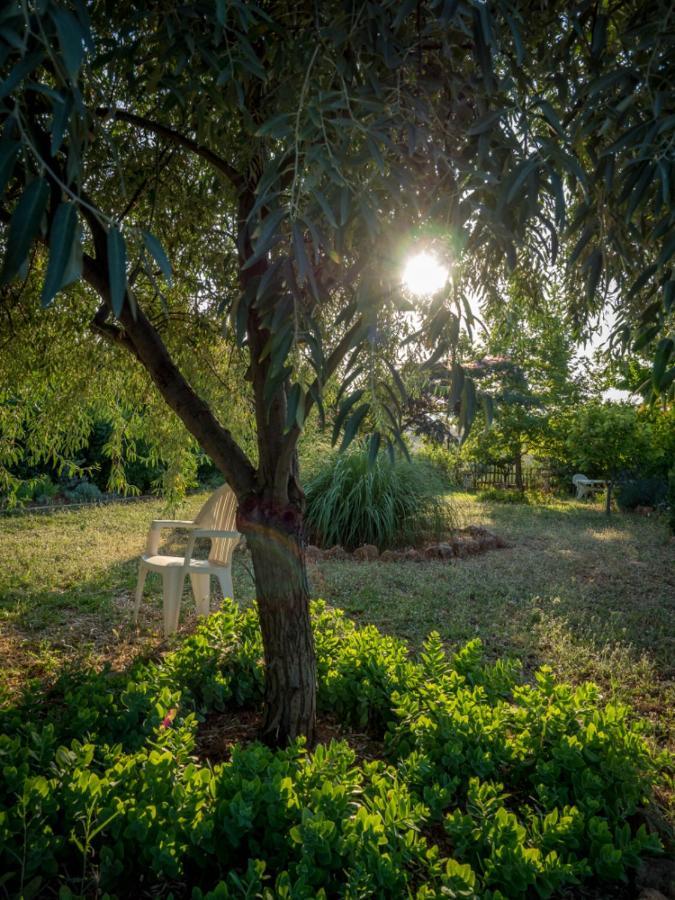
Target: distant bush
[[386, 504], [488, 787], [642, 492], [85, 492], [445, 461]]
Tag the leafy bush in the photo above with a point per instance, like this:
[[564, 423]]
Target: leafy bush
[[532, 785], [642, 492], [350, 502], [445, 460], [85, 492]]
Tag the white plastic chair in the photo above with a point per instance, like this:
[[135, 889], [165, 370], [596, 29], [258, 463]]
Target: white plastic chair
[[215, 520]]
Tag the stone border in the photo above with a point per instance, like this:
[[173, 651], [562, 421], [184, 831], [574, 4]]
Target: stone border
[[467, 542]]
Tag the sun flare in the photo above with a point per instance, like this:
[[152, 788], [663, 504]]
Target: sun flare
[[424, 274]]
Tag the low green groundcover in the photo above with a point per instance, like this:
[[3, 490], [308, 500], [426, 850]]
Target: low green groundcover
[[488, 787]]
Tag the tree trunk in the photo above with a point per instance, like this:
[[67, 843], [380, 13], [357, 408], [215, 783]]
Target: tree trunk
[[275, 539], [608, 503]]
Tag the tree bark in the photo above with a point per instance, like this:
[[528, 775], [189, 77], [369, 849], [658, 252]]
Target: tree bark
[[608, 501], [275, 539]]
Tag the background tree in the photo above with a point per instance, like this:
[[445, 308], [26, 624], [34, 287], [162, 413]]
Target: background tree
[[607, 440], [278, 162]]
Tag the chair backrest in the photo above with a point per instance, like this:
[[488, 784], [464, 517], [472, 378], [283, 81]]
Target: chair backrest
[[220, 512], [578, 477]]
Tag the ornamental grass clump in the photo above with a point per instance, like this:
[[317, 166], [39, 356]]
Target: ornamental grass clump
[[353, 501]]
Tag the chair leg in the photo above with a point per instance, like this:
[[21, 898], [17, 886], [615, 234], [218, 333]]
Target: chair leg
[[225, 579], [173, 588], [201, 588], [142, 575]]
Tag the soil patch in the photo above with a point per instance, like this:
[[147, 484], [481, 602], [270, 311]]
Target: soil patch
[[221, 731]]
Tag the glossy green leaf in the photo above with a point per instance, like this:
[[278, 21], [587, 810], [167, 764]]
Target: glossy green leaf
[[117, 268], [71, 39], [156, 250], [662, 356], [373, 448], [24, 227], [8, 154], [62, 236], [344, 410], [352, 425], [593, 272]]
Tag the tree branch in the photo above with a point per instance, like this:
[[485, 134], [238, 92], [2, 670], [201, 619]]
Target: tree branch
[[182, 140], [144, 341]]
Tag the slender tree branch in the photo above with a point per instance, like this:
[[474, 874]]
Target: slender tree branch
[[182, 140]]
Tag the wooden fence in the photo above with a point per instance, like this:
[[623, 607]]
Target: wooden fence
[[481, 476]]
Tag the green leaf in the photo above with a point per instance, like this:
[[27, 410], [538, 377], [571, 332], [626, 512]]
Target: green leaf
[[645, 336], [467, 410], [24, 67], [661, 358], [63, 232], [593, 270], [8, 154], [295, 407], [373, 448], [550, 115], [71, 39], [599, 35], [325, 206], [268, 278], [73, 270], [278, 126], [24, 227], [488, 408], [300, 253], [267, 237], [352, 425], [117, 268], [346, 406], [155, 248], [667, 251], [520, 175]]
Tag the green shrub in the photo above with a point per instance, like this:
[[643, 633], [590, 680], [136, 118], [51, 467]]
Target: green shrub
[[642, 492], [445, 461], [534, 786], [386, 504], [85, 492]]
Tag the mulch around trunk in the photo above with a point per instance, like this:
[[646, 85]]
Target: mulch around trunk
[[220, 731]]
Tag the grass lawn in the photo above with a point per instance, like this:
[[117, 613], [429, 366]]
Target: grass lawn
[[592, 597]]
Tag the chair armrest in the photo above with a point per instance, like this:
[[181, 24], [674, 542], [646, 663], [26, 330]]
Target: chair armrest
[[205, 533], [172, 523]]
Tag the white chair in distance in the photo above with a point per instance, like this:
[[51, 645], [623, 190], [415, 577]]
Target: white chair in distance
[[215, 520]]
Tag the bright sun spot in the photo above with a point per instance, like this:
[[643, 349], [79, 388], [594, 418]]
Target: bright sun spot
[[424, 274]]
